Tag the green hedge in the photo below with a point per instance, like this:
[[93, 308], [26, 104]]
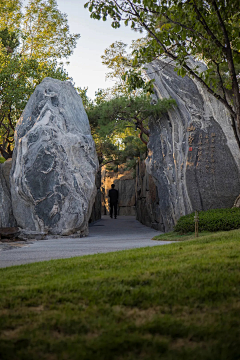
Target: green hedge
[[2, 160], [210, 220]]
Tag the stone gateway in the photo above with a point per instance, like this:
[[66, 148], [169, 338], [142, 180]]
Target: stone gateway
[[54, 162]]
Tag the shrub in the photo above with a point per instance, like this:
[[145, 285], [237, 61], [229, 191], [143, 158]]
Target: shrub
[[2, 160], [210, 220]]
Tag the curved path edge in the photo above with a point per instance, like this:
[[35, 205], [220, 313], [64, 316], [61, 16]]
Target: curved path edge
[[105, 235]]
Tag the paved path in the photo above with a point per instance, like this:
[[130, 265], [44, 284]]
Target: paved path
[[106, 235]]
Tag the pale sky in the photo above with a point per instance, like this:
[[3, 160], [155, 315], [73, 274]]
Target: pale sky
[[85, 66]]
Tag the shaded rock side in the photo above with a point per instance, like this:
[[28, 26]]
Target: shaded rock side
[[97, 206], [6, 213], [147, 201], [9, 233], [54, 162], [6, 168], [193, 156]]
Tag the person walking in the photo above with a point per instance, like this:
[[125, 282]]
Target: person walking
[[113, 195]]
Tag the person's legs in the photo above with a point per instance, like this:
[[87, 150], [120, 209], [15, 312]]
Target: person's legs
[[115, 210], [111, 210]]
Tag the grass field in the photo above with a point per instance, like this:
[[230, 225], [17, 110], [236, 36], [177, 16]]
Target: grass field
[[174, 236], [178, 301]]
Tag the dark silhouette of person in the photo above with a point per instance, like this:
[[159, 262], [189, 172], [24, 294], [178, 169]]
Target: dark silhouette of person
[[113, 195]]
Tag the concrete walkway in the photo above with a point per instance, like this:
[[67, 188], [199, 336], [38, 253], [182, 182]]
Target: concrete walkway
[[106, 235]]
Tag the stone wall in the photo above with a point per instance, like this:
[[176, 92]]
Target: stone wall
[[125, 183]]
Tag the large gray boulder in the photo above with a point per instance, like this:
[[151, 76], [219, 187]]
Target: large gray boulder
[[6, 213], [193, 155], [54, 162]]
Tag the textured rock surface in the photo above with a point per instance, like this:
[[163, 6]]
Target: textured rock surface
[[127, 200], [125, 184], [6, 214], [97, 206], [54, 162], [6, 168], [147, 201], [193, 156]]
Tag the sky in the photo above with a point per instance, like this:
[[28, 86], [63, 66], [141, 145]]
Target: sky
[[85, 66]]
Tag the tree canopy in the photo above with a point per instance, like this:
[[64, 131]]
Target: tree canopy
[[116, 122], [118, 115], [208, 30], [33, 42], [121, 64]]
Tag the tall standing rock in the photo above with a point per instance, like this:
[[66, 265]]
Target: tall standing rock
[[54, 162], [193, 155]]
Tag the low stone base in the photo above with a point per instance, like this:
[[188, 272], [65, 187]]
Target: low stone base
[[32, 235], [9, 232]]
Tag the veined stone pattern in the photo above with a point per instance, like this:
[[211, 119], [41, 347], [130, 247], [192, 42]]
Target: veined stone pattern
[[193, 155], [54, 162]]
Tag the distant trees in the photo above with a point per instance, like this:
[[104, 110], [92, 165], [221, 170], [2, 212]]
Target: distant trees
[[33, 42]]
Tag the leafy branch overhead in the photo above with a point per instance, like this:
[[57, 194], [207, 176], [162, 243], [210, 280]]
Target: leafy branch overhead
[[208, 30]]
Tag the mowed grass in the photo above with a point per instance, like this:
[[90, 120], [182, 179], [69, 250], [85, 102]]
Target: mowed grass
[[175, 236], [178, 301]]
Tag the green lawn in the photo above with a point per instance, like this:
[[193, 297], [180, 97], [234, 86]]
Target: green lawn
[[174, 236], [179, 301]]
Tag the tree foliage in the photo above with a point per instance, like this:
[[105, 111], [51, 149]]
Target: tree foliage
[[208, 30], [122, 64], [114, 123], [32, 41], [45, 31], [118, 61], [119, 115]]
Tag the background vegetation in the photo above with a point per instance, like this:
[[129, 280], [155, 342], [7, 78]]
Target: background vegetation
[[34, 39], [210, 220]]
